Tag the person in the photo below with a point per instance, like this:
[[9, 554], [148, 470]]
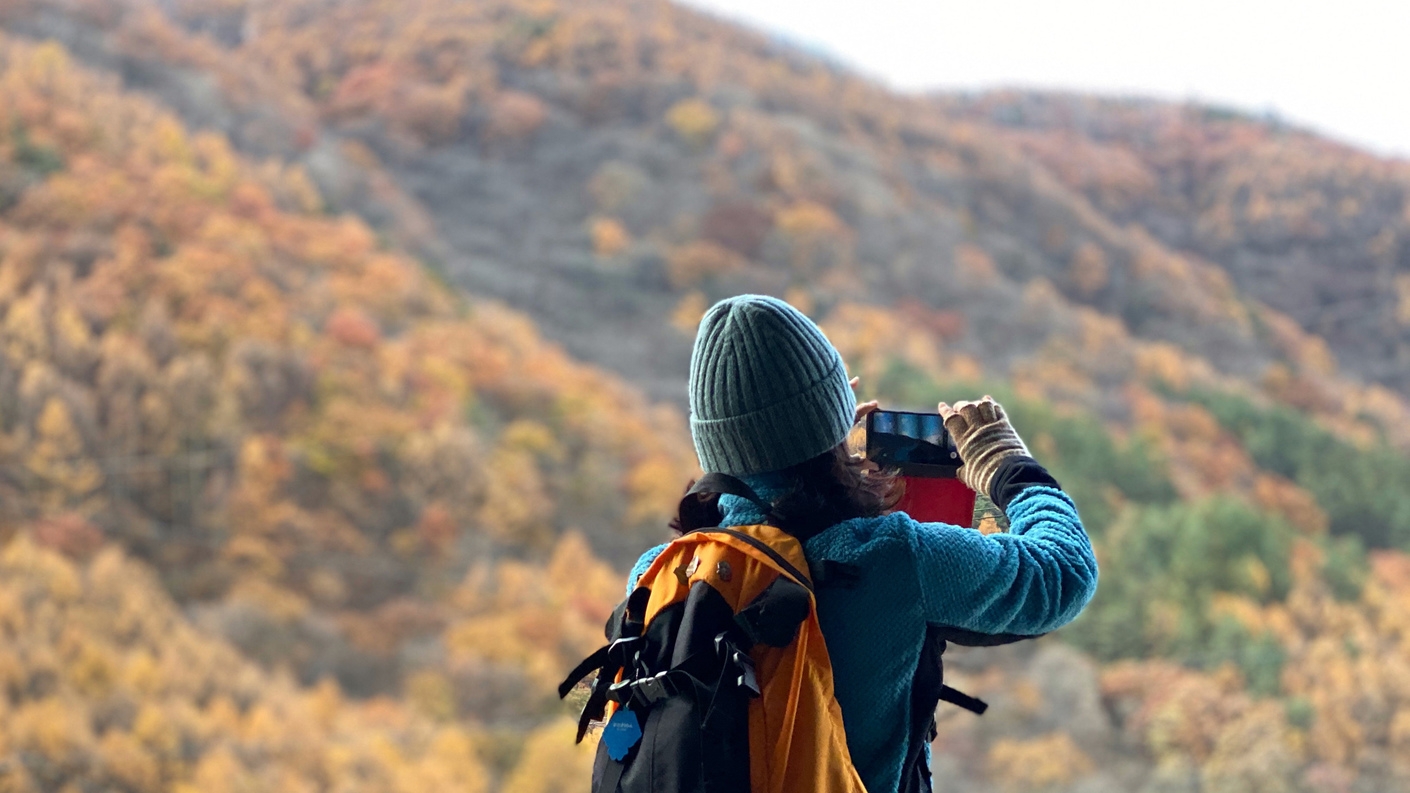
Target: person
[[771, 404]]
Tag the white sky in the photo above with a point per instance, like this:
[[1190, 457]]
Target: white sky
[[1341, 67]]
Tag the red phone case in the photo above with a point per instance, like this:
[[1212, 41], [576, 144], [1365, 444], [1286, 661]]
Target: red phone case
[[938, 500]]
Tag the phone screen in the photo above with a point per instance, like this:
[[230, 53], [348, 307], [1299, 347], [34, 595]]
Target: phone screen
[[916, 443]]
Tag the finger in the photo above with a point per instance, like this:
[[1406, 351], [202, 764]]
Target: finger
[[955, 423], [867, 408], [985, 409], [853, 382]]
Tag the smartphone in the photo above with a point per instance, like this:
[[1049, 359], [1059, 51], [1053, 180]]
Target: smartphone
[[917, 445]]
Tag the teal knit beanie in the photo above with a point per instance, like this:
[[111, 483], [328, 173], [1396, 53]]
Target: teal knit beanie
[[767, 389]]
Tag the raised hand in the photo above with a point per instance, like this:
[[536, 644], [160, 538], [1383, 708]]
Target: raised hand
[[984, 438]]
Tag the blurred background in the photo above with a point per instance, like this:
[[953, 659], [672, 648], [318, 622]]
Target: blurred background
[[343, 348]]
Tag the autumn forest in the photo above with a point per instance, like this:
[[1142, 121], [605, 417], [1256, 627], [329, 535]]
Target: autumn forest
[[343, 348]]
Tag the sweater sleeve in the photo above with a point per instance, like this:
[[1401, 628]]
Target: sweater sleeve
[[639, 569], [1033, 579]]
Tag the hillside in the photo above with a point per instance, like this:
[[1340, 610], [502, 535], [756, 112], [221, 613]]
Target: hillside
[[595, 163], [1316, 230], [354, 334]]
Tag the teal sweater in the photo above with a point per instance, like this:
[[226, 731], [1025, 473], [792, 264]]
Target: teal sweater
[[1033, 579]]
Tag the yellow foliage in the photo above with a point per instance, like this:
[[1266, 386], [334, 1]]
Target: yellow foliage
[[551, 763], [128, 761], [449, 763], [694, 120], [219, 771], [299, 737], [515, 505], [800, 299], [809, 220], [871, 339], [689, 311], [154, 730], [430, 693], [58, 457], [539, 620], [653, 485], [50, 728], [1038, 764]]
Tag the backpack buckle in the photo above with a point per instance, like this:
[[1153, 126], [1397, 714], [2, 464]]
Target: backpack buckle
[[747, 680], [652, 689], [645, 692], [620, 692], [740, 660]]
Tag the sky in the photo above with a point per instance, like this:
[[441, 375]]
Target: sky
[[1340, 67]]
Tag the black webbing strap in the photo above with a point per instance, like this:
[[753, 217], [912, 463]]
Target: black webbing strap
[[611, 776], [596, 704], [593, 662], [764, 548], [615, 660], [724, 484], [624, 629], [955, 697], [832, 573]]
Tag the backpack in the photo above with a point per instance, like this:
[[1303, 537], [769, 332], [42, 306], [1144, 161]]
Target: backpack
[[716, 677]]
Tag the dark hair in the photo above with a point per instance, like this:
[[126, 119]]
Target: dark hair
[[824, 491]]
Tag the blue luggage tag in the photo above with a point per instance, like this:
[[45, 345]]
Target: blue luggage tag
[[621, 734]]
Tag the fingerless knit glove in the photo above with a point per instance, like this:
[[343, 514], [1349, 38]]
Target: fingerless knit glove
[[984, 438]]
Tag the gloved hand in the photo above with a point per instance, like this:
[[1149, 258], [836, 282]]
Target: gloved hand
[[984, 438]]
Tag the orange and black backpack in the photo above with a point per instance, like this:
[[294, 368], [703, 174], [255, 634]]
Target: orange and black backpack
[[716, 678]]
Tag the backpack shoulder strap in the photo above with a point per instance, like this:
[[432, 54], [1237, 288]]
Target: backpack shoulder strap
[[777, 558]]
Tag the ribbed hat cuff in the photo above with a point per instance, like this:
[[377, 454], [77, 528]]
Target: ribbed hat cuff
[[783, 434]]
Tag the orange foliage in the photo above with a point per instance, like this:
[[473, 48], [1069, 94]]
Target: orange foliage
[[609, 237], [515, 115], [695, 262]]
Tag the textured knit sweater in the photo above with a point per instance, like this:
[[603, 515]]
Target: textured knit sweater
[[1033, 579]]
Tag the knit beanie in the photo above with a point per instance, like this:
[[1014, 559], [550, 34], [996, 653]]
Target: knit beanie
[[767, 389]]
